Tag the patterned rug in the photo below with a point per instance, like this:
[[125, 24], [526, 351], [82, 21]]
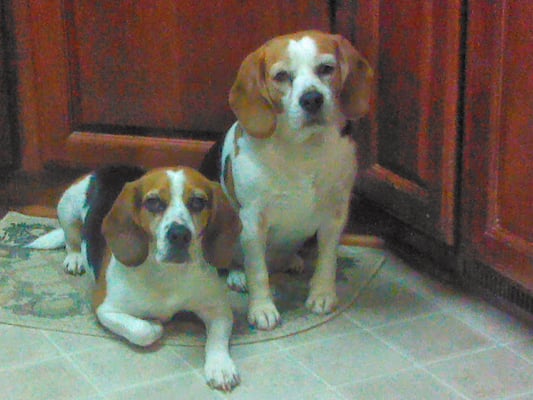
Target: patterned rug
[[36, 292]]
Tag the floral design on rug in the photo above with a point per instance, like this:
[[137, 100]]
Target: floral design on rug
[[35, 291]]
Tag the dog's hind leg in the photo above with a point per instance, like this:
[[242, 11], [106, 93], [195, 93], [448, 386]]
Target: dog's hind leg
[[70, 214]]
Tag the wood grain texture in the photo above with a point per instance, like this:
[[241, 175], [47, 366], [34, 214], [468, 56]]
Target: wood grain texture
[[138, 68], [497, 210], [408, 145]]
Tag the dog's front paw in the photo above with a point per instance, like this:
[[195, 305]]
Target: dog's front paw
[[144, 333], [221, 373], [73, 264], [263, 315], [321, 302], [236, 281]]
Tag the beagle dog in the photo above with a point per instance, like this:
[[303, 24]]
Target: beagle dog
[[153, 241], [287, 166]]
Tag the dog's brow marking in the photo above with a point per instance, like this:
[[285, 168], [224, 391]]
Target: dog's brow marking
[[177, 207], [177, 183], [303, 50]]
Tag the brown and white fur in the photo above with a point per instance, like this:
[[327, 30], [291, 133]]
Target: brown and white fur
[[164, 234], [287, 166]]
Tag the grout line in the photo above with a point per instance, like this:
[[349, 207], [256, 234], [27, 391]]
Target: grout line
[[508, 347], [472, 325], [199, 372], [355, 327], [417, 364], [68, 357], [148, 383], [465, 353], [29, 364], [32, 362], [380, 376], [331, 387], [394, 322], [320, 340], [516, 396]]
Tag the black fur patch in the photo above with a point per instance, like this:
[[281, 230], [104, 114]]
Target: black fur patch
[[212, 162], [104, 187]]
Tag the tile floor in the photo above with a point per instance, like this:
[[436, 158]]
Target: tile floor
[[407, 337]]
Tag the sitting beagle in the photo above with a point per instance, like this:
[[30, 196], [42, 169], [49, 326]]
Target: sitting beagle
[[287, 165], [152, 241]]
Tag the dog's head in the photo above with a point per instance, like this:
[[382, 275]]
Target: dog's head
[[177, 214], [300, 83]]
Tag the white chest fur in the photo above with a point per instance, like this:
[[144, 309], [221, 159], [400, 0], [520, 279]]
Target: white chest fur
[[158, 290], [293, 185]]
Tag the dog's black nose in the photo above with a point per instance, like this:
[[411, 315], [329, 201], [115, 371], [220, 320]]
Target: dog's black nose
[[179, 235], [311, 101]]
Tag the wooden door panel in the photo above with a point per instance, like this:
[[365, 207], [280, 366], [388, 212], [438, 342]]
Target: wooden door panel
[[143, 69], [498, 145], [409, 148]]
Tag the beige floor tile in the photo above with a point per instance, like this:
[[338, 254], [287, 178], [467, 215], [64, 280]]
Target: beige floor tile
[[320, 395], [499, 325], [528, 396], [23, 345], [195, 355], [523, 348], [73, 343], [53, 379], [432, 337], [254, 349], [339, 325], [275, 376], [408, 385], [184, 387], [120, 365], [429, 287], [385, 301], [349, 358], [489, 374]]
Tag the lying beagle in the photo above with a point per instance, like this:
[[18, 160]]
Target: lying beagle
[[152, 241], [286, 164]]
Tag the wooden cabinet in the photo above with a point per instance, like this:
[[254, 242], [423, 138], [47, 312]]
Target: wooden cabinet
[[410, 145], [146, 82], [497, 192], [449, 141], [7, 134], [141, 82]]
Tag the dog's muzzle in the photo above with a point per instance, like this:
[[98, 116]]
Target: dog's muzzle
[[312, 101], [179, 238]]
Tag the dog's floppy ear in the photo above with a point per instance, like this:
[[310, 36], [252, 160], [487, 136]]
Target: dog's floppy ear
[[249, 99], [356, 80], [127, 240], [222, 231]]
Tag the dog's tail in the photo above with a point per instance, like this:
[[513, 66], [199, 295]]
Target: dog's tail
[[52, 240]]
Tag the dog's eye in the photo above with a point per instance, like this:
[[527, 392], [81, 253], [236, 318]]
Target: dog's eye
[[325, 69], [155, 205], [197, 203], [282, 77]]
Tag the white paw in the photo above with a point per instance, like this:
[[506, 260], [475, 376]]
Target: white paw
[[296, 265], [73, 264], [263, 315], [221, 373], [236, 281], [144, 333], [321, 302]]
